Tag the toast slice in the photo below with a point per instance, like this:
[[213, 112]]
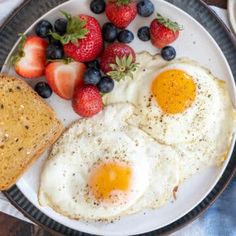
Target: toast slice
[[28, 126]]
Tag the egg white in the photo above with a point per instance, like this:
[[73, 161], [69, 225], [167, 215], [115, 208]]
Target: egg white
[[105, 137], [163, 182], [211, 149], [207, 111]]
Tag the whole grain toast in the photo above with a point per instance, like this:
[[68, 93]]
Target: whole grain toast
[[28, 126]]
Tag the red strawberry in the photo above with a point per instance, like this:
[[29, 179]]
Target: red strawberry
[[113, 51], [118, 61], [63, 77], [163, 31], [87, 101], [30, 60], [83, 39], [121, 12]]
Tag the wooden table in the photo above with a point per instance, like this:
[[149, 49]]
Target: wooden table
[[10, 226]]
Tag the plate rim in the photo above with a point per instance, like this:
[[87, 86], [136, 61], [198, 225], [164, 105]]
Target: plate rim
[[155, 232]]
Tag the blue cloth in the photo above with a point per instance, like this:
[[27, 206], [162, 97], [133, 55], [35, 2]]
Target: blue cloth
[[219, 220]]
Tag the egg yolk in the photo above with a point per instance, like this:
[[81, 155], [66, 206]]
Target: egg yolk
[[174, 91], [109, 177]]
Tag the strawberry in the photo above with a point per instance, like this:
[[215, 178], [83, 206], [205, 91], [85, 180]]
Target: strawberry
[[83, 38], [87, 101], [164, 31], [30, 60], [121, 12], [118, 61], [63, 77]]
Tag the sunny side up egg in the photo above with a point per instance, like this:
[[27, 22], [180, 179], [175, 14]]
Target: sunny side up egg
[[176, 102], [102, 166], [180, 104]]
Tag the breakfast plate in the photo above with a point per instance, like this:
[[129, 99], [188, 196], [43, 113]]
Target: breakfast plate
[[197, 193]]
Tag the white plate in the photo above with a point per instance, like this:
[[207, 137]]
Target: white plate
[[194, 42]]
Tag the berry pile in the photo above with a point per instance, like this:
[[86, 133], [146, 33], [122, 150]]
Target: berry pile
[[70, 51]]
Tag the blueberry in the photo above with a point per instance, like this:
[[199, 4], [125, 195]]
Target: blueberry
[[43, 89], [106, 84], [125, 36], [145, 8], [168, 53], [60, 26], [93, 64], [92, 76], [43, 28], [55, 50], [144, 33], [97, 6], [109, 32]]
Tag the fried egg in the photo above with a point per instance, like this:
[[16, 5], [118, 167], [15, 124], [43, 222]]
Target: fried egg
[[212, 148], [102, 166], [176, 102]]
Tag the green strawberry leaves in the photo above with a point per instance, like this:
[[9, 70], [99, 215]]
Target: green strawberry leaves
[[123, 67], [20, 53], [174, 26], [120, 2], [75, 30]]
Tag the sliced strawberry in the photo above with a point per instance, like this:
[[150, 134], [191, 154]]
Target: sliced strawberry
[[31, 58], [64, 77]]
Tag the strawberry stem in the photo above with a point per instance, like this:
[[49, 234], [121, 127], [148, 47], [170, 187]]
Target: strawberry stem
[[123, 67], [75, 30], [20, 51], [120, 2], [174, 26], [66, 60]]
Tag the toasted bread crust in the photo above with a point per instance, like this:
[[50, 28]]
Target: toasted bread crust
[[42, 129]]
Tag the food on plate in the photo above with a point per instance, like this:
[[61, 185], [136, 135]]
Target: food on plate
[[93, 64], [109, 32], [174, 98], [92, 76], [87, 101], [43, 28], [180, 104], [64, 76], [125, 36], [55, 51], [121, 12], [105, 169], [118, 60], [27, 127], [43, 89], [209, 151], [148, 122], [144, 33], [60, 26], [164, 31], [97, 6], [83, 39], [145, 8], [168, 53], [30, 60], [106, 84]]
